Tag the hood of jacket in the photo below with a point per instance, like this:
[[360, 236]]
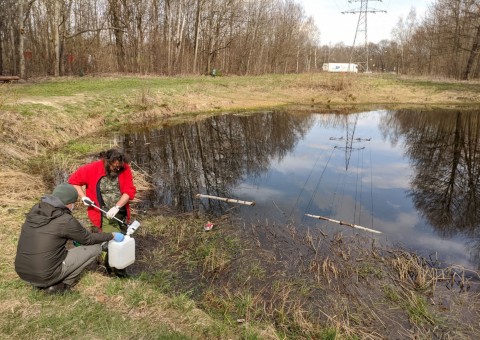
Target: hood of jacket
[[49, 208]]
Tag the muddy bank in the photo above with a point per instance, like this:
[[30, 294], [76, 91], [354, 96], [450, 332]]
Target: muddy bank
[[306, 281]]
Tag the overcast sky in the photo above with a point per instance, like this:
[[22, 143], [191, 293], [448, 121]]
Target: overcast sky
[[337, 27]]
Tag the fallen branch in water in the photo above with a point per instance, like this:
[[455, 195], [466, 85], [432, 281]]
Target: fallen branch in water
[[228, 200], [344, 223]]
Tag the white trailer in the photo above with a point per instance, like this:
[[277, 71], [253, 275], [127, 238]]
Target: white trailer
[[340, 67]]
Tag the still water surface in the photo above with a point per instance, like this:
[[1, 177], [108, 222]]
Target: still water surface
[[413, 175]]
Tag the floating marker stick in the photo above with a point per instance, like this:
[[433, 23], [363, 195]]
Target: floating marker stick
[[344, 223], [229, 200]]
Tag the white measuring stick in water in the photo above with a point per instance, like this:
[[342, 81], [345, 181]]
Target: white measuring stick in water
[[228, 200], [344, 223]]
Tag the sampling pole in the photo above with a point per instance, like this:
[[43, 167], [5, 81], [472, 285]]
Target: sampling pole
[[344, 223], [228, 200]]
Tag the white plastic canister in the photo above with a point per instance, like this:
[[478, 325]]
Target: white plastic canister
[[121, 254]]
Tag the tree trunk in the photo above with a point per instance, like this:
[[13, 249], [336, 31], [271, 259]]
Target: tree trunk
[[297, 67], [56, 37], [21, 35], [115, 14], [13, 53], [167, 33], [180, 25], [65, 8], [155, 41], [473, 54], [139, 44], [1, 48], [197, 27]]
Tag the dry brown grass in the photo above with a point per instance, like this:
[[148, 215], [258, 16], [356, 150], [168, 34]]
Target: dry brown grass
[[9, 96], [414, 271], [18, 188], [422, 275]]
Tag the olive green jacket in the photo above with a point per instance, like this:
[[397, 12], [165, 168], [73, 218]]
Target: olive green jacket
[[41, 247]]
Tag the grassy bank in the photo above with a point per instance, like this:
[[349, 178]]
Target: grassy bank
[[52, 112], [234, 283]]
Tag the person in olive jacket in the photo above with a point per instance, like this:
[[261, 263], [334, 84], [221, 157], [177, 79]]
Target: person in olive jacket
[[42, 258]]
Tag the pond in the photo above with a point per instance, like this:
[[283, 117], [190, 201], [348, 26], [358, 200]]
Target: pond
[[412, 175]]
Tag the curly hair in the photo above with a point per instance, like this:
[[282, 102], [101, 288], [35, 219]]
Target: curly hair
[[113, 155]]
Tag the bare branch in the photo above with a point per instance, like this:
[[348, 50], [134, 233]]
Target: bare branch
[[95, 30]]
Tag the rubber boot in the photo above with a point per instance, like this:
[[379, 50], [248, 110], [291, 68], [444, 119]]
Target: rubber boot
[[59, 288]]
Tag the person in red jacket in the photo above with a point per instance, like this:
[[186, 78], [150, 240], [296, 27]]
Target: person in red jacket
[[109, 184]]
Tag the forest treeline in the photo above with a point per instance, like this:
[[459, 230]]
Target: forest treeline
[[244, 37]]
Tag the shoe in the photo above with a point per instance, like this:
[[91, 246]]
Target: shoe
[[121, 273], [106, 264], [59, 288], [111, 271]]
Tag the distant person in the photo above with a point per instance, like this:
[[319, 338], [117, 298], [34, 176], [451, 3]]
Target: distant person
[[109, 184], [42, 258]]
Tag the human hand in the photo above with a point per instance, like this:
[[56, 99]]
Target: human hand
[[112, 212], [118, 237], [87, 201]]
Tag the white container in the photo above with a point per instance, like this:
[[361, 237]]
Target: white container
[[121, 254]]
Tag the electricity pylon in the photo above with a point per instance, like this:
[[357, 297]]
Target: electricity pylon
[[350, 138], [359, 52]]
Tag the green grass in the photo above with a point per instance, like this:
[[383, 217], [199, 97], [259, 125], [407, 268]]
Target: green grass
[[415, 304], [418, 310], [165, 281], [75, 316], [182, 302], [34, 109], [256, 270], [391, 294], [440, 86], [367, 269], [119, 86], [79, 147]]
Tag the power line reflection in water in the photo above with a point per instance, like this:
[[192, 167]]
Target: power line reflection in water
[[410, 174]]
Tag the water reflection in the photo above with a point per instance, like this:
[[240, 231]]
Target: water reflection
[[212, 156], [443, 147], [412, 175]]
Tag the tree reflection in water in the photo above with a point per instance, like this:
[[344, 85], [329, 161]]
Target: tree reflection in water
[[216, 155], [212, 156], [444, 150]]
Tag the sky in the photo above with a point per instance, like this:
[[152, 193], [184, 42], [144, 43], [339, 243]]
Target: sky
[[337, 27]]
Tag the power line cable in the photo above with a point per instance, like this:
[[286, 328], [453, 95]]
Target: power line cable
[[356, 189], [318, 183], [371, 185], [360, 172], [303, 187], [336, 189]]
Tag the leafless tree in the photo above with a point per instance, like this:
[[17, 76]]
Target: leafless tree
[[58, 37]]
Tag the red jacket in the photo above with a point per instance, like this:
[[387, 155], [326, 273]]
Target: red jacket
[[90, 175]]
